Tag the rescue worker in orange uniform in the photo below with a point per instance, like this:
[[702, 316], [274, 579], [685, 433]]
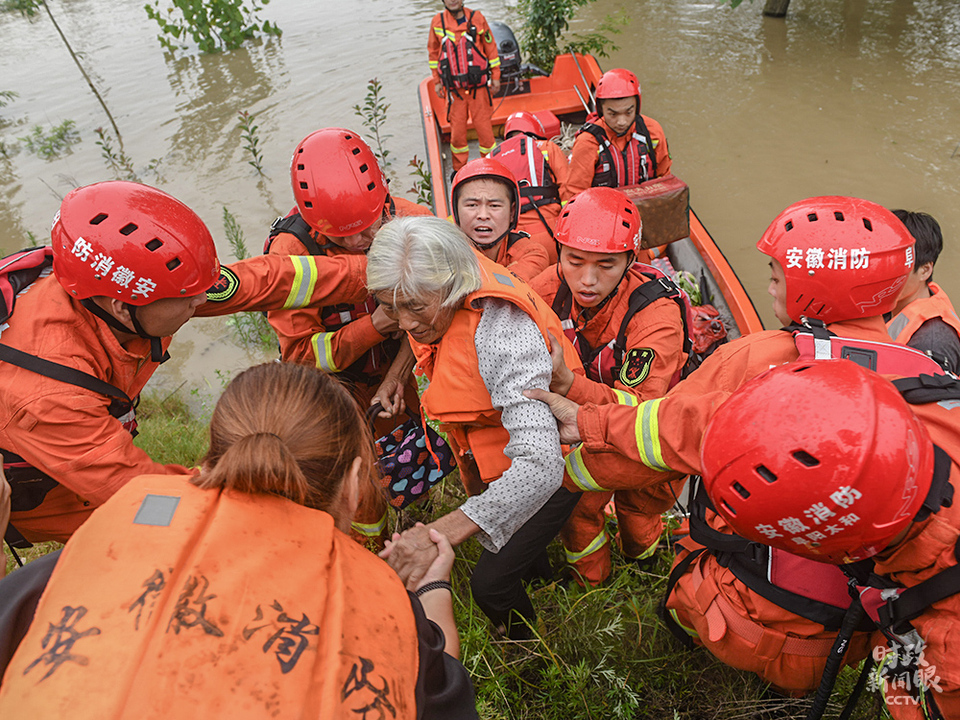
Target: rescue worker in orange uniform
[[481, 336], [185, 564], [130, 265], [626, 320], [924, 317], [835, 261], [486, 207], [466, 68], [342, 200], [540, 168], [883, 499], [617, 146]]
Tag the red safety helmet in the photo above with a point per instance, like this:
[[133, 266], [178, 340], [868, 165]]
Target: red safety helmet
[[525, 122], [132, 242], [842, 258], [337, 182], [823, 459], [618, 83], [486, 168], [602, 220]]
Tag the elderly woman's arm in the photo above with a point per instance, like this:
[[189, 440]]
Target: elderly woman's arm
[[513, 357]]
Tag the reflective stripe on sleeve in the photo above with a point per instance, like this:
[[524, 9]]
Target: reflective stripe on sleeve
[[598, 542], [322, 344], [495, 62], [625, 398], [578, 473], [371, 529], [648, 435], [305, 278]]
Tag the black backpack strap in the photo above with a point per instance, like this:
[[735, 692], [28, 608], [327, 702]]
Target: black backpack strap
[[641, 125], [60, 372], [298, 227], [928, 388], [641, 297]]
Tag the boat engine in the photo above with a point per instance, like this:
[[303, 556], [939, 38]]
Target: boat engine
[[512, 71]]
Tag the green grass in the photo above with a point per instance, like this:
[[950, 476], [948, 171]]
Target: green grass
[[598, 653]]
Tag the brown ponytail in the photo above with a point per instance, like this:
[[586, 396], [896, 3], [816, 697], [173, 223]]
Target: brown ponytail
[[288, 430]]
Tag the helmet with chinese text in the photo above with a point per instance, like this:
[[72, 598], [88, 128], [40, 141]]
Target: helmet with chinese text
[[131, 242], [842, 258], [600, 219], [337, 182], [833, 470]]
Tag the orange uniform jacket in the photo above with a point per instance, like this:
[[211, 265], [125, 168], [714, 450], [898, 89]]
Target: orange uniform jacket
[[526, 258], [457, 397], [207, 605], [929, 548], [908, 321], [67, 432], [301, 332], [657, 328], [634, 447], [455, 30], [583, 157]]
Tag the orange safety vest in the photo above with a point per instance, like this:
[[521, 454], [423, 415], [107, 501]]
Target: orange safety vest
[[909, 320], [457, 397], [172, 601], [637, 162]]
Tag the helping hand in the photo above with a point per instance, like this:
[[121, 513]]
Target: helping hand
[[562, 378], [563, 409], [412, 554]]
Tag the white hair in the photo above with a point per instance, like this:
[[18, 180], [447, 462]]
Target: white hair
[[422, 256]]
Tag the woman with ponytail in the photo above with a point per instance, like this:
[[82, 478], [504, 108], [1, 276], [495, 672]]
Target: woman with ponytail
[[236, 592]]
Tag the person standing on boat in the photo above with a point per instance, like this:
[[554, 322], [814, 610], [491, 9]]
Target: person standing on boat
[[130, 266], [540, 167], [627, 322], [466, 71], [924, 317], [837, 265], [618, 146], [486, 205], [342, 200]]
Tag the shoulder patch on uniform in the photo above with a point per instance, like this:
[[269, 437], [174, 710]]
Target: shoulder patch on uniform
[[225, 287], [636, 366]]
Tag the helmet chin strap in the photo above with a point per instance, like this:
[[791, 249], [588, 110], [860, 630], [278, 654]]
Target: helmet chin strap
[[481, 247], [157, 353]]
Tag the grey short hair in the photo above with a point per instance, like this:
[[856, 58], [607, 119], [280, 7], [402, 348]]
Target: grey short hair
[[421, 256]]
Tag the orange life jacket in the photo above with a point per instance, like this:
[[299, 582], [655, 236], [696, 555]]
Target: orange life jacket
[[172, 601], [18, 273], [456, 396], [909, 320], [462, 63], [636, 164], [815, 342], [528, 163]]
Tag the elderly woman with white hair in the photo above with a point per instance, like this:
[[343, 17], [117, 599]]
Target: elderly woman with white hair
[[482, 337]]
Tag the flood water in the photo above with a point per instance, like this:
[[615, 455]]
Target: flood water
[[843, 97]]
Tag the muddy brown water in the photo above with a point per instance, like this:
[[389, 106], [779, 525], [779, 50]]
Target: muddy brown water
[[843, 97]]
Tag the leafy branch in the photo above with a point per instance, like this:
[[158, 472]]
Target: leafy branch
[[214, 25], [373, 112]]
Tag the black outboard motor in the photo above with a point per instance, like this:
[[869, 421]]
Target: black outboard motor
[[508, 49], [512, 71]]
